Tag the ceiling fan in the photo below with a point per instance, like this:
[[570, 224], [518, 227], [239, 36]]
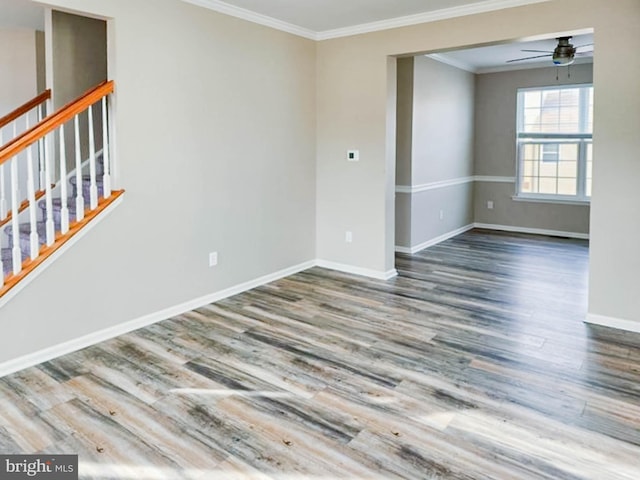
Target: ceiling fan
[[563, 55]]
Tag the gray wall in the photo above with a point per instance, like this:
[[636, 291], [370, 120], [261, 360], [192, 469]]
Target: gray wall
[[404, 122], [41, 77], [216, 151], [495, 151], [79, 50], [80, 55], [437, 148]]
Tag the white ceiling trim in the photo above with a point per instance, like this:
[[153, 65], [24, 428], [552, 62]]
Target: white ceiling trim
[[426, 17], [450, 61], [251, 16]]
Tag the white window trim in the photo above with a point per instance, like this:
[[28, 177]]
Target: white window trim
[[535, 137]]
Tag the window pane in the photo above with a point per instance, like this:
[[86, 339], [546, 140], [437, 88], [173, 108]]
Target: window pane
[[547, 185], [567, 186], [569, 96], [531, 151], [527, 185], [569, 151], [550, 98], [554, 165], [568, 169], [589, 155], [548, 169], [590, 111], [556, 110], [550, 152], [532, 99], [530, 168]]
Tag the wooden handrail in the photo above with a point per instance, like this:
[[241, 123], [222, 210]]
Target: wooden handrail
[[27, 107], [54, 120], [30, 265]]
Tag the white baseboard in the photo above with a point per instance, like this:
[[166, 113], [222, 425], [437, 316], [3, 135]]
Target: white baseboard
[[365, 272], [50, 353], [535, 231], [434, 241], [619, 323]]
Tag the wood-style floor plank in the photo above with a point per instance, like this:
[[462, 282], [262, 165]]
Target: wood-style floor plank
[[474, 363]]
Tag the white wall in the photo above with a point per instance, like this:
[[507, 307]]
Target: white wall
[[441, 123], [216, 151], [19, 74], [18, 81], [353, 110]]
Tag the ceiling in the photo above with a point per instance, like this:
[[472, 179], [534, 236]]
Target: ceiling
[[320, 16], [494, 58], [328, 18]]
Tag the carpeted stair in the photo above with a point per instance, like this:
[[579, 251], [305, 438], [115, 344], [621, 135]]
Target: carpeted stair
[[25, 227]]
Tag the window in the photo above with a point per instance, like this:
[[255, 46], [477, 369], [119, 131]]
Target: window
[[555, 150]]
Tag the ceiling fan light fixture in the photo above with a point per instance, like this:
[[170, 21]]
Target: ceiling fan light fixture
[[563, 60], [564, 53]]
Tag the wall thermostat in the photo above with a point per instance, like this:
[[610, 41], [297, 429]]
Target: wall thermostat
[[353, 155]]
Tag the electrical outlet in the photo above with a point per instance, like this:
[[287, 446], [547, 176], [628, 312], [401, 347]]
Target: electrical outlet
[[441, 214], [348, 237], [490, 204], [353, 155], [213, 259]]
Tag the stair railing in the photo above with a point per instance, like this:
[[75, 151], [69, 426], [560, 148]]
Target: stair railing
[[44, 135], [30, 112]]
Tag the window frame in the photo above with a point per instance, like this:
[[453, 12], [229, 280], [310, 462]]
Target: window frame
[[582, 141]]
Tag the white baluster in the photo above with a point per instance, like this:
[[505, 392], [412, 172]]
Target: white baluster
[[15, 221], [93, 187], [15, 134], [106, 160], [64, 210], [41, 149], [79, 195], [50, 227], [34, 241], [4, 211]]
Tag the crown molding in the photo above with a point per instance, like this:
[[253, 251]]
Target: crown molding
[[426, 17], [438, 57], [251, 16]]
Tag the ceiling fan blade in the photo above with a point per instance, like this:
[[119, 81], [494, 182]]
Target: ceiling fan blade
[[538, 51], [528, 58], [584, 53], [585, 45]]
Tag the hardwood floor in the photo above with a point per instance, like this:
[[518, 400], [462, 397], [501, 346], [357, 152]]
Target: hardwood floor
[[473, 363]]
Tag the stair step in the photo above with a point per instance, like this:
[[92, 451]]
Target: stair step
[[7, 260], [86, 186], [25, 233], [85, 179], [56, 205]]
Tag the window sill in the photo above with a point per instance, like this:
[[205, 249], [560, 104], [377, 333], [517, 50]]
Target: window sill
[[556, 200]]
